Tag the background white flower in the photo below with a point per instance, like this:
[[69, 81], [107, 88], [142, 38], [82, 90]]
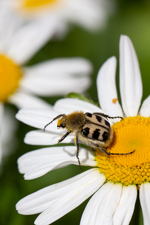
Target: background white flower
[[56, 15], [21, 84]]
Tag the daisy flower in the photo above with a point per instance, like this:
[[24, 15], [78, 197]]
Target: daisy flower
[[57, 14], [115, 179], [19, 81], [20, 84]]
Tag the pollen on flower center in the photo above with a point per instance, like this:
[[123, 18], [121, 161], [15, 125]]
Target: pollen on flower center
[[30, 4], [10, 75], [130, 134]]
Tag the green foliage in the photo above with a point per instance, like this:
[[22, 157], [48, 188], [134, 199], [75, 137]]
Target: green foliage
[[80, 97]]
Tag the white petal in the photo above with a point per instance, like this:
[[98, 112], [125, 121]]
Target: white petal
[[145, 108], [106, 88], [57, 77], [44, 138], [55, 86], [87, 13], [9, 24], [130, 78], [58, 199], [30, 38], [24, 100], [79, 193], [101, 207], [126, 206], [69, 105], [145, 202], [39, 162], [38, 118], [58, 66]]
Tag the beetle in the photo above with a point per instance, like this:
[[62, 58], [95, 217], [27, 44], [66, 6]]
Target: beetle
[[92, 129]]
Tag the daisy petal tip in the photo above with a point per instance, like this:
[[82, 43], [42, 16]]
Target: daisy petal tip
[[110, 61], [107, 65], [18, 114], [17, 206], [26, 177], [124, 39], [26, 139], [88, 64]]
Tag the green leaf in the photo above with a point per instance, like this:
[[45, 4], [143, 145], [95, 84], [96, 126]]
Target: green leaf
[[80, 97]]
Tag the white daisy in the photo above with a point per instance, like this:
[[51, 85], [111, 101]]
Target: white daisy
[[20, 84], [117, 178], [57, 14]]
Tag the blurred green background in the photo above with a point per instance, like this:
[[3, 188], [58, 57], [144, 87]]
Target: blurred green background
[[132, 17]]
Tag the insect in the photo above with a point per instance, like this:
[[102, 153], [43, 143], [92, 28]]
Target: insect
[[92, 129]]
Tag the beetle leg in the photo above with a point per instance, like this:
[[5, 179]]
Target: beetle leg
[[57, 117], [107, 116], [78, 148], [109, 153], [64, 136]]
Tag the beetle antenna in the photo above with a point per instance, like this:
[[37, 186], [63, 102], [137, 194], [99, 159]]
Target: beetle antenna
[[57, 117], [107, 116]]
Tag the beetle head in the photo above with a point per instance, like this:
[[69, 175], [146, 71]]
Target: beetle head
[[62, 122]]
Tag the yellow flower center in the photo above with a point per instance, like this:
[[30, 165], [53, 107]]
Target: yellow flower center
[[10, 75], [132, 133], [36, 4]]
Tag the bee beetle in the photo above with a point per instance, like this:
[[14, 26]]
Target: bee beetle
[[92, 129]]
